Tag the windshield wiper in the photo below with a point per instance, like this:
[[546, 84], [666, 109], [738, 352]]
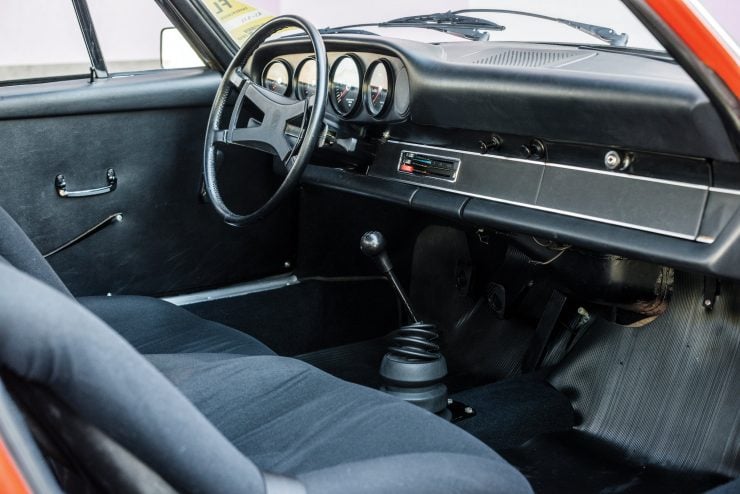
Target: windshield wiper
[[471, 28], [476, 29], [600, 32], [449, 22]]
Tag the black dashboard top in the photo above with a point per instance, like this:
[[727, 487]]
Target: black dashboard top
[[555, 92]]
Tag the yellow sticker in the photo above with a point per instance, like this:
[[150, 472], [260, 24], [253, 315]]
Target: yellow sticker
[[239, 19]]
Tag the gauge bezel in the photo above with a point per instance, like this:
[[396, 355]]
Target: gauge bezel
[[296, 73], [287, 66], [391, 88], [360, 97]]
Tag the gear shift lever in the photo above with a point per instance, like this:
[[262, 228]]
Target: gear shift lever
[[413, 368], [372, 244]]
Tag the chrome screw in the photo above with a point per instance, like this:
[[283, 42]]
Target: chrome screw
[[612, 160]]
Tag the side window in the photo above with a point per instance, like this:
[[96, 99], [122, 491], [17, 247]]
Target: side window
[[42, 40], [130, 33], [26, 53]]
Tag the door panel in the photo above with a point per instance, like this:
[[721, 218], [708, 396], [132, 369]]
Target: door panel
[[149, 129]]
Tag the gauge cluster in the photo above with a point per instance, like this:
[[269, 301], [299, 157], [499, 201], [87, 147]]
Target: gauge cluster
[[362, 87]]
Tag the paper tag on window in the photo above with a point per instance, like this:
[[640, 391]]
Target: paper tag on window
[[239, 19]]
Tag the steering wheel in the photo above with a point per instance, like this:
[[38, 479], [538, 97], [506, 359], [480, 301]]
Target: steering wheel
[[269, 135]]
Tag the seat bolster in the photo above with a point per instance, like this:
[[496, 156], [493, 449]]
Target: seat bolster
[[419, 473], [20, 251]]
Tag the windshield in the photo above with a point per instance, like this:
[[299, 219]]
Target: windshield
[[239, 18]]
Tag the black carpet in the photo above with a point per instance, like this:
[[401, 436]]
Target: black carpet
[[510, 412], [578, 463], [356, 362], [311, 315]]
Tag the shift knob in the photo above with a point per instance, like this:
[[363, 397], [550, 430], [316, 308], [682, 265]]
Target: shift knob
[[372, 244]]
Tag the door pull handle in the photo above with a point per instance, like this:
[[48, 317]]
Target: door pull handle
[[60, 183]]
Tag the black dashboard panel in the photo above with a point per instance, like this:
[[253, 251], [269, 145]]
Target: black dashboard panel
[[656, 205], [597, 97], [677, 200]]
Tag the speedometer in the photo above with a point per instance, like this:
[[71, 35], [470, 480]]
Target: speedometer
[[346, 81], [378, 91], [305, 79]]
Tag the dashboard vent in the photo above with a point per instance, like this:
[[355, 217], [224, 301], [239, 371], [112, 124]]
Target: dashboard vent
[[532, 58]]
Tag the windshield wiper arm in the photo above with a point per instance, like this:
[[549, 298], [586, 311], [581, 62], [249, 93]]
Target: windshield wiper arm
[[449, 22], [476, 29], [471, 28], [600, 32]]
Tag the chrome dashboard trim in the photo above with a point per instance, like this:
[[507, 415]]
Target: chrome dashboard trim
[[722, 190], [648, 229], [549, 210], [559, 165]]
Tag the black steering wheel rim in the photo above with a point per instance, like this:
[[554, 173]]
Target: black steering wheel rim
[[277, 111]]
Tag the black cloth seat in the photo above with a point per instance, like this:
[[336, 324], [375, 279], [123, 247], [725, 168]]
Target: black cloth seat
[[236, 417], [149, 324], [295, 403], [155, 326]]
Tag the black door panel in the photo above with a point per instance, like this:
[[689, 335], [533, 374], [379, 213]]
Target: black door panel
[[156, 89], [169, 240]]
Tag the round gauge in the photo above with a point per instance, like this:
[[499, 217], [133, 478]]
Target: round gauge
[[276, 77], [305, 85], [378, 92], [346, 80]]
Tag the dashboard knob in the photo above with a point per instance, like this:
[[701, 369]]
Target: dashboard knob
[[492, 145], [535, 149]]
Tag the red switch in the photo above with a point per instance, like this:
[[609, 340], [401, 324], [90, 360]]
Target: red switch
[[407, 168]]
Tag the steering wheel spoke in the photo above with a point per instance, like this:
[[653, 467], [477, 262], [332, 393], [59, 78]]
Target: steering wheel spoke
[[237, 78], [269, 135], [263, 138]]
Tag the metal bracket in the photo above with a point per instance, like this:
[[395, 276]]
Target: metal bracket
[[711, 291], [60, 183], [459, 411]]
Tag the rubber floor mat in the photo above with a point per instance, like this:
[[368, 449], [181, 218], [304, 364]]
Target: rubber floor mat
[[667, 393]]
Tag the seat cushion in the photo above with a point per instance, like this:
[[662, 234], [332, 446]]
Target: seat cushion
[[293, 419], [155, 326]]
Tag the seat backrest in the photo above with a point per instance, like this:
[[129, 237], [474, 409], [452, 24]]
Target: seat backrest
[[49, 339], [20, 251]]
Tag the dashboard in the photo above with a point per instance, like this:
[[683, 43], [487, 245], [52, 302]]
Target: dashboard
[[608, 150]]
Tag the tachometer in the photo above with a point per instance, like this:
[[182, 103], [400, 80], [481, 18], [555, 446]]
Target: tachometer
[[378, 92], [305, 79], [276, 77], [346, 80]]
